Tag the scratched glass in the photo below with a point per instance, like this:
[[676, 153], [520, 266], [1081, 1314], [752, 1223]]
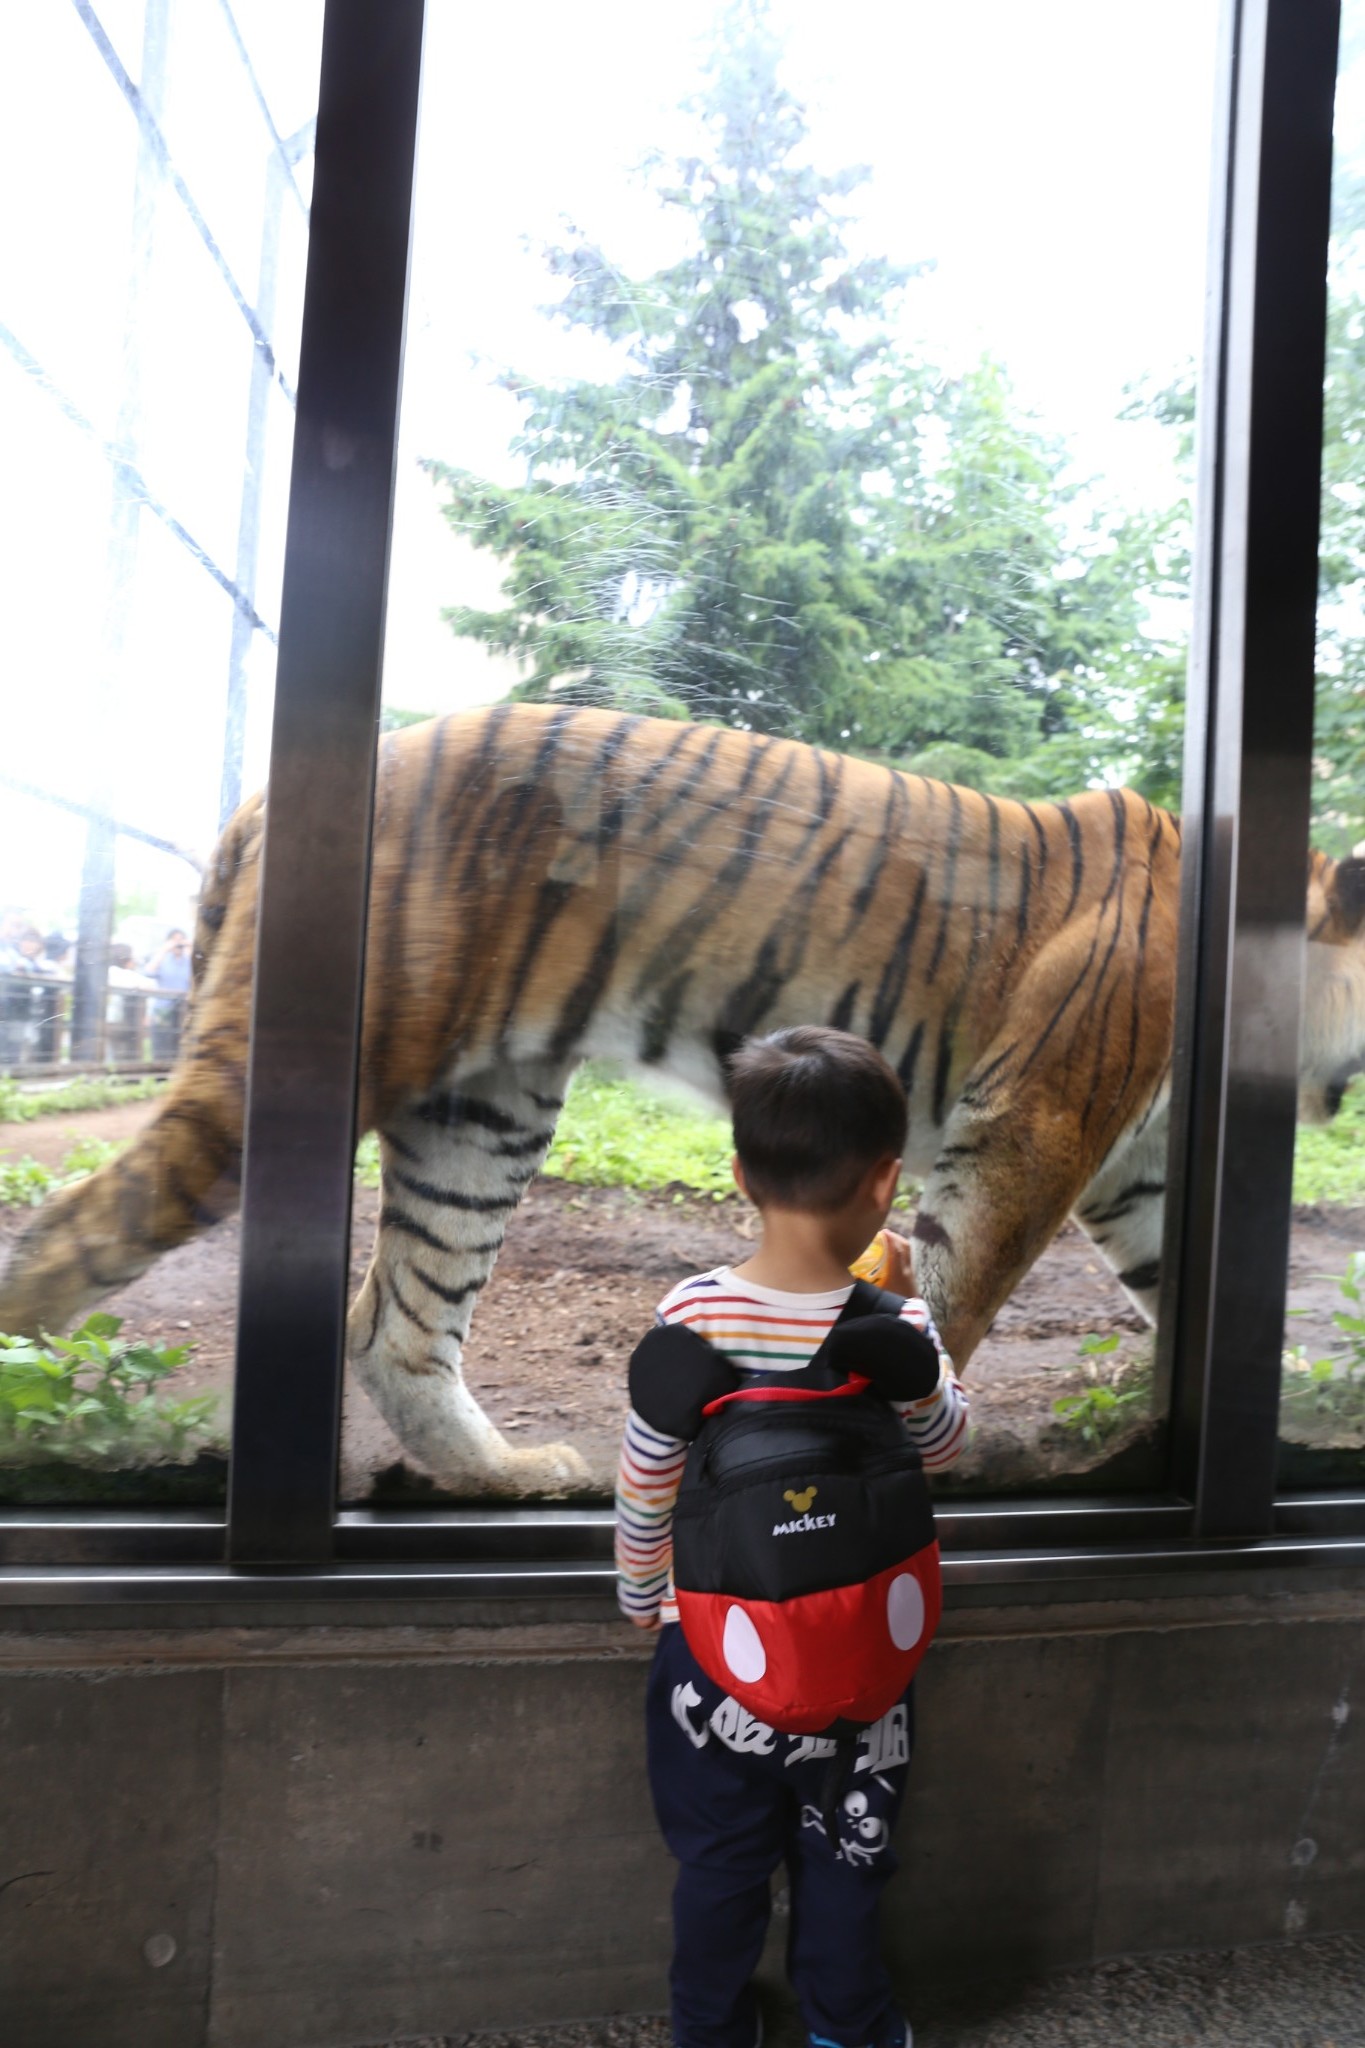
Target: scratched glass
[[1322, 1407], [790, 566], [159, 162]]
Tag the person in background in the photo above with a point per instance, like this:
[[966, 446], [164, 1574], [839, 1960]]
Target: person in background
[[59, 964], [33, 952], [13, 925], [126, 1007], [124, 971], [169, 968], [60, 955], [21, 961]]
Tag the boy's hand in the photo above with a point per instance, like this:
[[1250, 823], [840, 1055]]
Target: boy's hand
[[900, 1264], [645, 1621]]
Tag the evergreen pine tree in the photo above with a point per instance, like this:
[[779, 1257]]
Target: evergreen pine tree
[[774, 516]]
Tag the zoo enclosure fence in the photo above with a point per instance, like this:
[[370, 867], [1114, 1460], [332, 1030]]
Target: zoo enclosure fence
[[137, 1033], [87, 1034]]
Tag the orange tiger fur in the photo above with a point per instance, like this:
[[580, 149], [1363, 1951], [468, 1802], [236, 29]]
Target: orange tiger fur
[[550, 884]]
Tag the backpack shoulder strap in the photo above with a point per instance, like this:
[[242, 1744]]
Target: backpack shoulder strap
[[867, 1300]]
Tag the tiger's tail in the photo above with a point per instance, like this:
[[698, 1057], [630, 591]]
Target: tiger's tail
[[183, 1170]]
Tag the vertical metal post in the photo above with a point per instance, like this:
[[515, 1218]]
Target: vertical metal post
[[1248, 762], [278, 177], [300, 1128], [95, 920]]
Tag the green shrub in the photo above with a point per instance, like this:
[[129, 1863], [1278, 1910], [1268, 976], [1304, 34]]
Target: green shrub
[[92, 1398], [1335, 1385], [88, 1155], [19, 1105], [1329, 1159], [25, 1183], [1098, 1412], [613, 1133], [367, 1160]]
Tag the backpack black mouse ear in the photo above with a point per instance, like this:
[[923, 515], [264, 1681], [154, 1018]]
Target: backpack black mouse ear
[[674, 1374], [901, 1362]]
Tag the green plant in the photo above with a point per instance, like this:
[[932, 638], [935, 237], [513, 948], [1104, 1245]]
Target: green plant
[[367, 1160], [92, 1397], [24, 1183], [614, 1133], [1098, 1412], [27, 1183], [1335, 1385], [20, 1105], [1329, 1159], [87, 1155]]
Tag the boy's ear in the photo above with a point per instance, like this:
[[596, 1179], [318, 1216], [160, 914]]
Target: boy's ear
[[883, 1182], [738, 1171]]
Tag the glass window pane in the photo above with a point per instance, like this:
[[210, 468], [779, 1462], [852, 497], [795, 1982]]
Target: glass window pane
[[149, 317], [1322, 1413], [817, 534]]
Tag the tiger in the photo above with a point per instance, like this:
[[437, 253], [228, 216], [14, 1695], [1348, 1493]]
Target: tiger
[[554, 883]]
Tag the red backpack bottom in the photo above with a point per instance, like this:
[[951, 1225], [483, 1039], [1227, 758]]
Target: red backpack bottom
[[801, 1664]]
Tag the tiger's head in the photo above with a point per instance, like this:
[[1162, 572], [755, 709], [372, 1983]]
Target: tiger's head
[[1332, 1038]]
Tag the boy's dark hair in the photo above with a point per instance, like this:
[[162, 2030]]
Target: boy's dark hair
[[813, 1109]]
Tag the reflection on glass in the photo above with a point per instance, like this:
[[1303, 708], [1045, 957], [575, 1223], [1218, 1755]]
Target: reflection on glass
[[148, 335], [1322, 1410], [823, 557]]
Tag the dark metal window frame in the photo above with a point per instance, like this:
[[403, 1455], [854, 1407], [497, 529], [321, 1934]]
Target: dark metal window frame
[[1248, 768]]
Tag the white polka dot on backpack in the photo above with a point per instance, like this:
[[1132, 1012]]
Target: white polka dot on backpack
[[742, 1647], [905, 1611]]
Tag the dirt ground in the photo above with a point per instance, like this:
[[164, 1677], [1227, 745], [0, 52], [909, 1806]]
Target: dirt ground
[[576, 1284]]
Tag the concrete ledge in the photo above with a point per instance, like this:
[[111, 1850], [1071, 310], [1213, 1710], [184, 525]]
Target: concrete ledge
[[355, 1832], [95, 1644]]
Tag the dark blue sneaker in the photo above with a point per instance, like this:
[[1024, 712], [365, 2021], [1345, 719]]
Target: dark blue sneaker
[[896, 2033]]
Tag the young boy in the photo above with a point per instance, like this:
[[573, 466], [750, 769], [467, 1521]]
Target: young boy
[[820, 1125]]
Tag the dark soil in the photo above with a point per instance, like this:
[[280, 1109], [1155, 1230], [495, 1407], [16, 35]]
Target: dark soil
[[577, 1283]]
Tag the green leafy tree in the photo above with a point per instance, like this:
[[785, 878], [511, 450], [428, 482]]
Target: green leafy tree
[[772, 516], [1338, 789], [1339, 709]]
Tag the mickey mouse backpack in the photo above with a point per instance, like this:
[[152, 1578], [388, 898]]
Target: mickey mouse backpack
[[804, 1557]]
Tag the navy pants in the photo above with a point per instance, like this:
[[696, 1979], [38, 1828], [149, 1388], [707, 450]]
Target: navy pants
[[735, 1799]]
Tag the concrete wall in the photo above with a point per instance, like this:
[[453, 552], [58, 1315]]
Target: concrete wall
[[351, 1833]]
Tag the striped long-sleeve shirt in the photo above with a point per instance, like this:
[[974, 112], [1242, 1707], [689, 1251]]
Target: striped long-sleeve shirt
[[766, 1331]]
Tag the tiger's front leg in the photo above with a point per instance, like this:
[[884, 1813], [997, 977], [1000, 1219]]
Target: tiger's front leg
[[1001, 1187], [455, 1166]]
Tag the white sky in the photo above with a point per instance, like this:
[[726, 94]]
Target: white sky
[[1051, 158]]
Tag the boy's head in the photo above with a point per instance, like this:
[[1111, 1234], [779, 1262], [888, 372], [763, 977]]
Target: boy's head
[[814, 1111]]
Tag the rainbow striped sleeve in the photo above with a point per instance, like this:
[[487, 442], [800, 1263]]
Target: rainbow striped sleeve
[[938, 1423], [647, 1482]]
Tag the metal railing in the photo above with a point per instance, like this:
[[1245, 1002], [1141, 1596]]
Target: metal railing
[[139, 1031]]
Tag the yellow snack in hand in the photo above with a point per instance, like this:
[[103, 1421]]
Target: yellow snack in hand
[[872, 1263]]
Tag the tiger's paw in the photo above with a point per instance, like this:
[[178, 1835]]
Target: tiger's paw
[[546, 1470]]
